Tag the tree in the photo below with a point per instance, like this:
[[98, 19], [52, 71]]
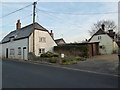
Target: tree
[[109, 25]]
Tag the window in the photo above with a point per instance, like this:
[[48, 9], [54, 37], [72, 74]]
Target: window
[[12, 52], [42, 50], [42, 39], [11, 38], [99, 37], [101, 47], [19, 50]]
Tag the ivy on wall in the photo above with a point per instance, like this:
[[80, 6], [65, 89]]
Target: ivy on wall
[[72, 50]]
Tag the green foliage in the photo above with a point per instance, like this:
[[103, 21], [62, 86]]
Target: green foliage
[[53, 59], [72, 50], [80, 58], [68, 62], [68, 58], [50, 54]]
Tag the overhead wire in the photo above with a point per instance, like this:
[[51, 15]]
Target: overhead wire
[[16, 10], [91, 13], [24, 18]]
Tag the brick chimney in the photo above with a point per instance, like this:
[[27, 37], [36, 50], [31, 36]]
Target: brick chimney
[[52, 34], [103, 27], [111, 33], [18, 25]]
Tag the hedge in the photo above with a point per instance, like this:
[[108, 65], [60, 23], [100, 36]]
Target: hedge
[[72, 50]]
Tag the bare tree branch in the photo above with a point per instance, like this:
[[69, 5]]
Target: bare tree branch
[[109, 25]]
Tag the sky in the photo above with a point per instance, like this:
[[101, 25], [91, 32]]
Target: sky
[[69, 20]]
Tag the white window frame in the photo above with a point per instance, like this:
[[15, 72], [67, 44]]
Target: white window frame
[[19, 50], [12, 52], [99, 37], [41, 50], [42, 39]]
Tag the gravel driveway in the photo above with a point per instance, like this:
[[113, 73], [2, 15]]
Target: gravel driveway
[[103, 64]]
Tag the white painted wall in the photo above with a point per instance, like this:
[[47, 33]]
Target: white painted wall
[[108, 43], [0, 50], [48, 45], [31, 43], [14, 45]]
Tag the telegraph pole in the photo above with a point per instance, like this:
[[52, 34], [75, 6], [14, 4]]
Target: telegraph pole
[[34, 8]]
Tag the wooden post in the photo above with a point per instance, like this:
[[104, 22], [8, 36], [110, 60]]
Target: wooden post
[[34, 7]]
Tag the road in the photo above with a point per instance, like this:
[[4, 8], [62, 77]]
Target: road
[[17, 74]]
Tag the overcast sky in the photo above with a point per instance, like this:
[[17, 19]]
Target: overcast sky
[[68, 20]]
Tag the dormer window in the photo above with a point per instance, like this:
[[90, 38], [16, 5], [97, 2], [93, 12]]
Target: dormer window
[[11, 39]]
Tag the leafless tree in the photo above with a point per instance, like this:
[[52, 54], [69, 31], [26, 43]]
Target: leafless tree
[[108, 26]]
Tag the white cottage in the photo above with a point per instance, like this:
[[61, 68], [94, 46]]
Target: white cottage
[[31, 38], [107, 41]]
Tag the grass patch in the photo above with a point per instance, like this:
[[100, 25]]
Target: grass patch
[[69, 62]]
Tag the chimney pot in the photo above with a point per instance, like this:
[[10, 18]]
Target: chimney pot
[[51, 31], [103, 27], [18, 24], [52, 34]]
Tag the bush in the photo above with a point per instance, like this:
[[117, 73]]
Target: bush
[[53, 59], [72, 50], [80, 58], [55, 55], [49, 54], [68, 59], [68, 62], [83, 59]]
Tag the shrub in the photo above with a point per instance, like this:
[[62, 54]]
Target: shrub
[[49, 54], [53, 59], [68, 62], [55, 55], [80, 58], [68, 59], [72, 50], [83, 59]]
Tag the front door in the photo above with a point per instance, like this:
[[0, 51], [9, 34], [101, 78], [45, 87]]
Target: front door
[[6, 52], [25, 53]]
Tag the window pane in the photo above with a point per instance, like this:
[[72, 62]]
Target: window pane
[[19, 50]]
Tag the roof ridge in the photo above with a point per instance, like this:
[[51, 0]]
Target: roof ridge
[[23, 32]]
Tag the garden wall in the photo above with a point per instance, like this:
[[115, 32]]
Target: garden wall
[[78, 49]]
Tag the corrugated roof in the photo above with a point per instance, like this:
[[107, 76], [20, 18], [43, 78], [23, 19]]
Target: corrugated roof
[[23, 32]]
